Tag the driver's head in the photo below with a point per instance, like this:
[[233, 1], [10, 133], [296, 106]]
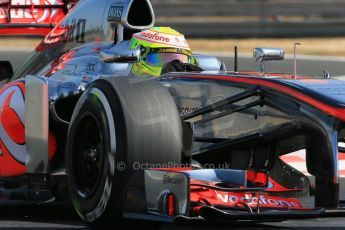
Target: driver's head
[[159, 46]]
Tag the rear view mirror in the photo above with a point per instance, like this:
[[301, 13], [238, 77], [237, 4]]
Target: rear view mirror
[[6, 71], [267, 54]]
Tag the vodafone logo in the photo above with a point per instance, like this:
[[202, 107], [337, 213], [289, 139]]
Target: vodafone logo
[[155, 37], [162, 38], [262, 200]]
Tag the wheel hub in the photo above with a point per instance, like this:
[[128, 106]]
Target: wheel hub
[[91, 155]]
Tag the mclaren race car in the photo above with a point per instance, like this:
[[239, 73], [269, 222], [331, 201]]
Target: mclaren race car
[[207, 145]]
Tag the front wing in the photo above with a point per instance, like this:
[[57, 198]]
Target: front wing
[[219, 195]]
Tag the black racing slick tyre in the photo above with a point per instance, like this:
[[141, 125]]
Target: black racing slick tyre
[[118, 123]]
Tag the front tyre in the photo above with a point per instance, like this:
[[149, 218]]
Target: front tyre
[[116, 124]]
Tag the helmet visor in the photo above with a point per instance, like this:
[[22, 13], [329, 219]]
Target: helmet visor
[[159, 59]]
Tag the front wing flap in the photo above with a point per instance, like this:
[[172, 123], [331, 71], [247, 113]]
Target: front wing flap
[[219, 195]]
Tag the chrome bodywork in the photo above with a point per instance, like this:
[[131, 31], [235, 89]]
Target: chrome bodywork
[[267, 54], [209, 63], [88, 65], [127, 56], [36, 125]]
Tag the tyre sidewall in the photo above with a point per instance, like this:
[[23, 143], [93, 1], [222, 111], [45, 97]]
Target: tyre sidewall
[[110, 189]]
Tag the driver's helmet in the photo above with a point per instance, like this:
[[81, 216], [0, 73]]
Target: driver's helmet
[[159, 45]]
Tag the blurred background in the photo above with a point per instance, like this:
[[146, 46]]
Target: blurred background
[[216, 25], [253, 18]]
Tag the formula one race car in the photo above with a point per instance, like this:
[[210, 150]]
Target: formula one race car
[[185, 146], [32, 17]]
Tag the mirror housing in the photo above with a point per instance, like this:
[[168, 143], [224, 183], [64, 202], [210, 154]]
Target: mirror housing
[[120, 56], [267, 54]]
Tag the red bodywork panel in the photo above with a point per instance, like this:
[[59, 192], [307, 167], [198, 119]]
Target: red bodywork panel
[[241, 199], [12, 135], [30, 17], [221, 199], [212, 196]]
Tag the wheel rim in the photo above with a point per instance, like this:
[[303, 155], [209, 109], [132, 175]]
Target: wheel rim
[[88, 155]]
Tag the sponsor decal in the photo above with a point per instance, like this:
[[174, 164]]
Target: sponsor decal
[[174, 50], [91, 67], [234, 199], [172, 179], [155, 36], [115, 13], [168, 50], [161, 38], [186, 110], [73, 31], [12, 122]]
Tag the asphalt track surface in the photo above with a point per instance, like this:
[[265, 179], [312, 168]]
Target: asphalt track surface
[[15, 216], [29, 217]]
